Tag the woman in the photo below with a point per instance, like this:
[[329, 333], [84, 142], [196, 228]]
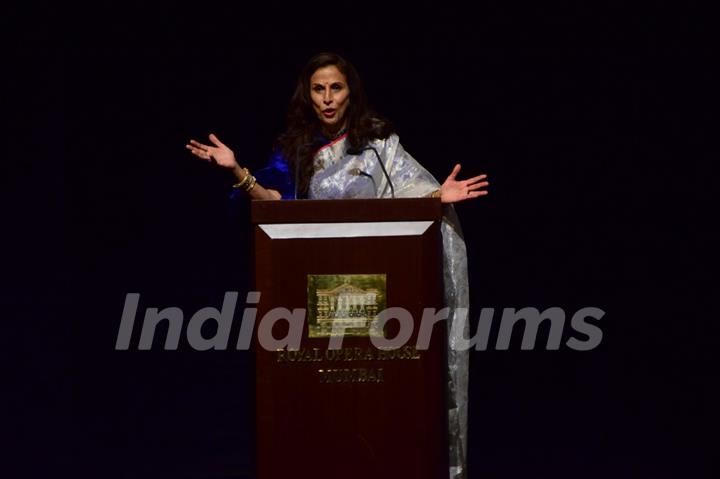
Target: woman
[[335, 147]]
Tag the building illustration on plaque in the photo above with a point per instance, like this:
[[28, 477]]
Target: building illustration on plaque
[[345, 304]]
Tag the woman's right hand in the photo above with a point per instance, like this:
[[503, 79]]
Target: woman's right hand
[[221, 154], [224, 156]]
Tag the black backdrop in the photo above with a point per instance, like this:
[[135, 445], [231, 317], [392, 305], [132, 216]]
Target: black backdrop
[[585, 119]]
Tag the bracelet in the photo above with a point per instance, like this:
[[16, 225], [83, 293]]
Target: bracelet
[[247, 183], [251, 185], [245, 179], [436, 194]]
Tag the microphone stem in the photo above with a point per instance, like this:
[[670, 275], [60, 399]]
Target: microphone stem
[[382, 165]]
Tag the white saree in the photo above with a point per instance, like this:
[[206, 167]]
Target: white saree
[[339, 175]]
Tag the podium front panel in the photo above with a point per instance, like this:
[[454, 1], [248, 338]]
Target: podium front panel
[[358, 411]]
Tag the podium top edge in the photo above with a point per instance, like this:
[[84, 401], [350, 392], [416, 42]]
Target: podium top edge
[[337, 211]]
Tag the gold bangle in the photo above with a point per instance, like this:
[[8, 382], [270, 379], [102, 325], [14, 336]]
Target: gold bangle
[[251, 185], [245, 179], [436, 194]]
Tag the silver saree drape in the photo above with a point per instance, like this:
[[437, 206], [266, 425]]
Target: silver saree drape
[[339, 175]]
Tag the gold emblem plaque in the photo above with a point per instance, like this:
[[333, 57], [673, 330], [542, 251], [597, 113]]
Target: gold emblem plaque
[[345, 304]]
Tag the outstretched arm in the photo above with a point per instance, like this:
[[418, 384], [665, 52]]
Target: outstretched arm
[[453, 190], [223, 156]]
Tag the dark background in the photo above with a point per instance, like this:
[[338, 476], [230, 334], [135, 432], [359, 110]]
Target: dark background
[[588, 120]]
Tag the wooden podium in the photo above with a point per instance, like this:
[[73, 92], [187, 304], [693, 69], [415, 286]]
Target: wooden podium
[[359, 411]]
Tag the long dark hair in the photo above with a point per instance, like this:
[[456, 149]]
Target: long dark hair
[[303, 125]]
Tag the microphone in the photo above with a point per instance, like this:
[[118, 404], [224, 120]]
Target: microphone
[[357, 151], [359, 172]]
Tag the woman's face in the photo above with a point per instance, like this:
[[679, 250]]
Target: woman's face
[[330, 96]]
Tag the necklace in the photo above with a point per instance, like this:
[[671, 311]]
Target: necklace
[[336, 135]]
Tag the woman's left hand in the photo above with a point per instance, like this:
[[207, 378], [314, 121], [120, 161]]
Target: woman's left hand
[[453, 190]]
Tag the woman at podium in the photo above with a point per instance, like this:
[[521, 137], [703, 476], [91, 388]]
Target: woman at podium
[[335, 147]]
